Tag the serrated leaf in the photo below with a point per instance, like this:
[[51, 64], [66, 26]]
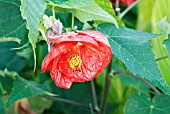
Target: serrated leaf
[[32, 12], [167, 44], [134, 49], [86, 10], [23, 88], [143, 104], [164, 25]]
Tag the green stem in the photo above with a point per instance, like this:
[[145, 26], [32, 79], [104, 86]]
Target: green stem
[[106, 90], [138, 77], [128, 9], [53, 9], [68, 101], [94, 95], [40, 52], [72, 23]]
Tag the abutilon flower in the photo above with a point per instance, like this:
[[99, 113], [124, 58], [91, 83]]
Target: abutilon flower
[[77, 57]]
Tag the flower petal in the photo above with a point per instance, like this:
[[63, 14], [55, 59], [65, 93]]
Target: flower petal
[[96, 35], [73, 38], [81, 75], [60, 79], [96, 58], [56, 51]]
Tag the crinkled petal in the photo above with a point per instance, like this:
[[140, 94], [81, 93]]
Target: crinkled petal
[[96, 58], [56, 50], [73, 38], [60, 79], [81, 75], [96, 35]]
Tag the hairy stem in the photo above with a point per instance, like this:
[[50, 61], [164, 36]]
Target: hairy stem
[[106, 90], [68, 101], [138, 77], [128, 9]]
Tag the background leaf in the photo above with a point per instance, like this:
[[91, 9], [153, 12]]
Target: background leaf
[[160, 10], [2, 106], [23, 88], [143, 104], [11, 26], [107, 6], [11, 22], [134, 49], [144, 15], [87, 11], [32, 12], [167, 44], [164, 25]]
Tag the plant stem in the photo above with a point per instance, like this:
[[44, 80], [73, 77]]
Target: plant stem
[[117, 9], [53, 9], [94, 95], [138, 77], [128, 9], [68, 101], [106, 90], [72, 23], [40, 53]]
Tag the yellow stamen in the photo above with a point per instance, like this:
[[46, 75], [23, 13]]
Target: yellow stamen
[[75, 62]]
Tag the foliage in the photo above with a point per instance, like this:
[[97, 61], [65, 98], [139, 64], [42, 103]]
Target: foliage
[[143, 104], [138, 73]]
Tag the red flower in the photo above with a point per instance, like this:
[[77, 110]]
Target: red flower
[[126, 2], [77, 57]]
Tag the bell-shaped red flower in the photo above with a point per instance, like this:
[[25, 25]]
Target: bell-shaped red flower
[[77, 57]]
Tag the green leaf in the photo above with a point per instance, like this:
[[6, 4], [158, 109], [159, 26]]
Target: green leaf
[[2, 106], [107, 6], [167, 44], [144, 15], [25, 53], [134, 49], [9, 59], [160, 10], [11, 26], [11, 22], [135, 83], [164, 25], [86, 10], [23, 88], [143, 104], [32, 12]]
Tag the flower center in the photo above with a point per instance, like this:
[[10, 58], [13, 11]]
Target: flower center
[[75, 62]]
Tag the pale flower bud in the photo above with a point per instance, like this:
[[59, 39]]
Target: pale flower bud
[[57, 27], [47, 23]]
